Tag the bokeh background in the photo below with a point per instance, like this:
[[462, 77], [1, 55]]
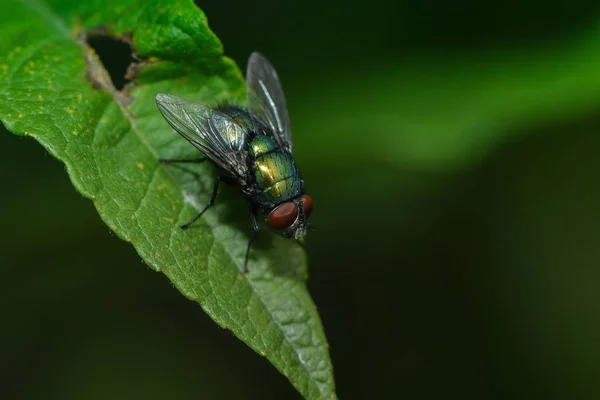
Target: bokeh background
[[452, 149]]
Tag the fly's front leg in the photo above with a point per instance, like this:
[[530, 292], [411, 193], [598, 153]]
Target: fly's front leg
[[194, 161], [255, 229], [210, 203]]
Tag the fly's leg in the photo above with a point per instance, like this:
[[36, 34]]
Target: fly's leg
[[194, 161], [255, 229], [210, 202]]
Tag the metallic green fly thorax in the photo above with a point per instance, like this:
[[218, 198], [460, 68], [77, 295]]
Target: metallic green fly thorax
[[276, 176], [261, 145], [241, 117]]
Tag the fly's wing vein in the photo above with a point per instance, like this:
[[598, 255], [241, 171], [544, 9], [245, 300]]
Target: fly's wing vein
[[265, 96], [213, 133]]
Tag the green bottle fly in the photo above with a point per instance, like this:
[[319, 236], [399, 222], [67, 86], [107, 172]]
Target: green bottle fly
[[252, 146]]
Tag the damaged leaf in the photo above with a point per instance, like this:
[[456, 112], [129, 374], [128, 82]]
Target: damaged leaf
[[55, 88]]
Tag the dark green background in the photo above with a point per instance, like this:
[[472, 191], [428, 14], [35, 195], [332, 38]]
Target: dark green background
[[477, 279]]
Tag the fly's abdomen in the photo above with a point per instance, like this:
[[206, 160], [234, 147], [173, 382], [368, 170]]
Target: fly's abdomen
[[276, 176]]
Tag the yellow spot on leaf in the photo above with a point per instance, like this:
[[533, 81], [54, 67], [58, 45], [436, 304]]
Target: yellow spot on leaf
[[20, 115], [40, 97], [79, 96], [140, 166], [75, 132], [69, 110], [169, 220]]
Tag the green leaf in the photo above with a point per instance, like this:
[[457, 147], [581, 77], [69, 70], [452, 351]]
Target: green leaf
[[55, 89]]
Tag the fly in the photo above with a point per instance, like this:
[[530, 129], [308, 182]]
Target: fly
[[251, 146]]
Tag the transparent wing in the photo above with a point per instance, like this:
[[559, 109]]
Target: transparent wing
[[265, 96], [213, 133]]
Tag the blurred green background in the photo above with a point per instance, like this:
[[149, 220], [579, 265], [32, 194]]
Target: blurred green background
[[452, 150]]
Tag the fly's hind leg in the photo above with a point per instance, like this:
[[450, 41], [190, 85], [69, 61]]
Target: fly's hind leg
[[194, 161], [210, 202], [255, 229]]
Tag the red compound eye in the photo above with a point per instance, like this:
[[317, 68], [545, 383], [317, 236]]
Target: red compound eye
[[283, 216], [308, 205]]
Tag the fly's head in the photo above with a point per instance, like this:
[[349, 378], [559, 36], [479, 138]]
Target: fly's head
[[289, 219]]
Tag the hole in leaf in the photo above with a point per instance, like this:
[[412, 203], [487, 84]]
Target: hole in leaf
[[116, 56]]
